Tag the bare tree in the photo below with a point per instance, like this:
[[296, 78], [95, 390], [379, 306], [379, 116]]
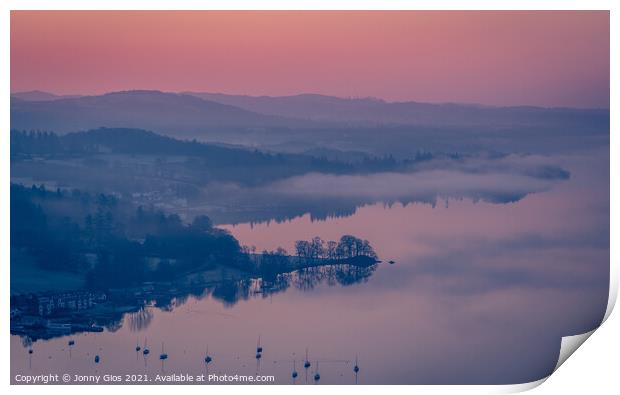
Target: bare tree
[[317, 248]]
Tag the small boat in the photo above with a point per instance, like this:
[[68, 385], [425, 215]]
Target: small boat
[[145, 350], [163, 355], [307, 364], [30, 351], [294, 374], [71, 342], [391, 262], [96, 358], [317, 376], [208, 358]]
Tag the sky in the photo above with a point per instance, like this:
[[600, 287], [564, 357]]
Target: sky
[[542, 58]]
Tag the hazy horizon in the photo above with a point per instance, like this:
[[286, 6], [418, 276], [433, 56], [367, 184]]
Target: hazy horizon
[[494, 58], [382, 99]]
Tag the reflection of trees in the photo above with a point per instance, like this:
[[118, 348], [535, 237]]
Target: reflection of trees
[[168, 302], [140, 319], [307, 279], [230, 292], [272, 263], [349, 274], [276, 284], [114, 325], [26, 341]]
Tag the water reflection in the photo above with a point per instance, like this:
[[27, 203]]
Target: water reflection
[[498, 179], [344, 275], [230, 292], [135, 306], [481, 294], [140, 319]]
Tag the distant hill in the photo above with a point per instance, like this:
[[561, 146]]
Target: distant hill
[[40, 96], [200, 160], [264, 120], [134, 142], [172, 113], [376, 111]]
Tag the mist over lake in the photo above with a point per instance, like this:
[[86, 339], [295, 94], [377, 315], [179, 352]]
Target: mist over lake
[[514, 277], [489, 251]]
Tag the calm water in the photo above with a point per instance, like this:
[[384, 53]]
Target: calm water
[[479, 293]]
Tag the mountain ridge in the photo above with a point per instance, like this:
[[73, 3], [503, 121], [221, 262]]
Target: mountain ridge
[[153, 110], [202, 115]]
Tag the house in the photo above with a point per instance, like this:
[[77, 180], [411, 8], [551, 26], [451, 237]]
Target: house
[[50, 303]]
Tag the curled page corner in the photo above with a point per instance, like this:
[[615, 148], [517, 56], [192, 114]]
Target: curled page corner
[[518, 388], [613, 293], [569, 345]]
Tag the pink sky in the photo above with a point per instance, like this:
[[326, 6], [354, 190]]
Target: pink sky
[[548, 58]]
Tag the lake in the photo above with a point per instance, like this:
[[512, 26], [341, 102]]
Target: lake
[[480, 293]]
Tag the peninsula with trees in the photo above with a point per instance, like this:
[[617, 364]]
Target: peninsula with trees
[[76, 256]]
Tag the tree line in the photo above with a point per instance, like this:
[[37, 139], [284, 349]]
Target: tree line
[[101, 237], [273, 263], [120, 243], [347, 247]]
